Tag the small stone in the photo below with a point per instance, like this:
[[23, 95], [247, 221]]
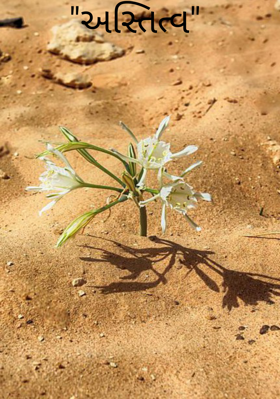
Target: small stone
[[4, 175], [10, 263], [81, 293], [41, 338], [274, 328], [16, 154], [101, 335], [141, 51], [264, 329], [20, 316], [241, 328], [177, 82], [178, 117], [251, 341], [239, 337], [153, 377], [113, 364], [19, 91], [78, 282]]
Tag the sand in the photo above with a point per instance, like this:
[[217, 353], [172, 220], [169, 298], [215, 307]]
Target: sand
[[168, 316]]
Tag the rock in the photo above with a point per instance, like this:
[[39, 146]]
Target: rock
[[251, 341], [41, 338], [81, 293], [241, 328], [274, 151], [78, 282], [264, 329], [10, 263], [274, 328], [112, 364], [3, 175], [177, 82], [73, 80], [75, 42], [239, 337], [277, 5], [4, 57]]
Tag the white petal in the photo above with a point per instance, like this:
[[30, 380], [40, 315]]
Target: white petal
[[61, 156], [163, 125], [159, 176], [163, 218], [172, 177], [204, 196], [143, 203], [195, 165], [192, 223], [143, 178], [33, 188], [48, 206], [187, 151]]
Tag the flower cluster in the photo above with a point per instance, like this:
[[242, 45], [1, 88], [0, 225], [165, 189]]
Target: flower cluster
[[150, 154]]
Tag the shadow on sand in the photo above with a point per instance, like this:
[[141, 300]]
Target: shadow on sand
[[251, 288]]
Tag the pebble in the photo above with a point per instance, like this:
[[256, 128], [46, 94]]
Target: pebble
[[20, 316], [239, 337], [41, 338], [141, 51], [4, 175], [251, 341], [177, 82], [274, 328], [81, 293], [78, 282], [264, 329], [113, 364], [241, 328], [101, 335], [10, 263]]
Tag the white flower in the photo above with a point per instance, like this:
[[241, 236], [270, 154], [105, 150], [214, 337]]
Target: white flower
[[179, 196], [57, 179], [153, 154]]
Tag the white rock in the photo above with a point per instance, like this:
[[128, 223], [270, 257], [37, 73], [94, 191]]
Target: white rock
[[277, 5], [73, 80], [78, 282], [75, 42]]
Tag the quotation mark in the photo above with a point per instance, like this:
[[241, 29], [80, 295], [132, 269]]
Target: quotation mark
[[72, 10], [193, 10]]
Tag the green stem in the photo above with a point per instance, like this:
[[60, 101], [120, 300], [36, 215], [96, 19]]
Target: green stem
[[119, 190], [88, 157], [143, 221], [151, 190]]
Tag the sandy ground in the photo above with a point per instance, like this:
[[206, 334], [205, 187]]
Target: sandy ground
[[169, 316]]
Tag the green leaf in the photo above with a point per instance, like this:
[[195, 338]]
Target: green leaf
[[126, 128], [83, 220]]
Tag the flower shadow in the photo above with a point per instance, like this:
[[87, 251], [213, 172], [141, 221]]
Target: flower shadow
[[249, 288]]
